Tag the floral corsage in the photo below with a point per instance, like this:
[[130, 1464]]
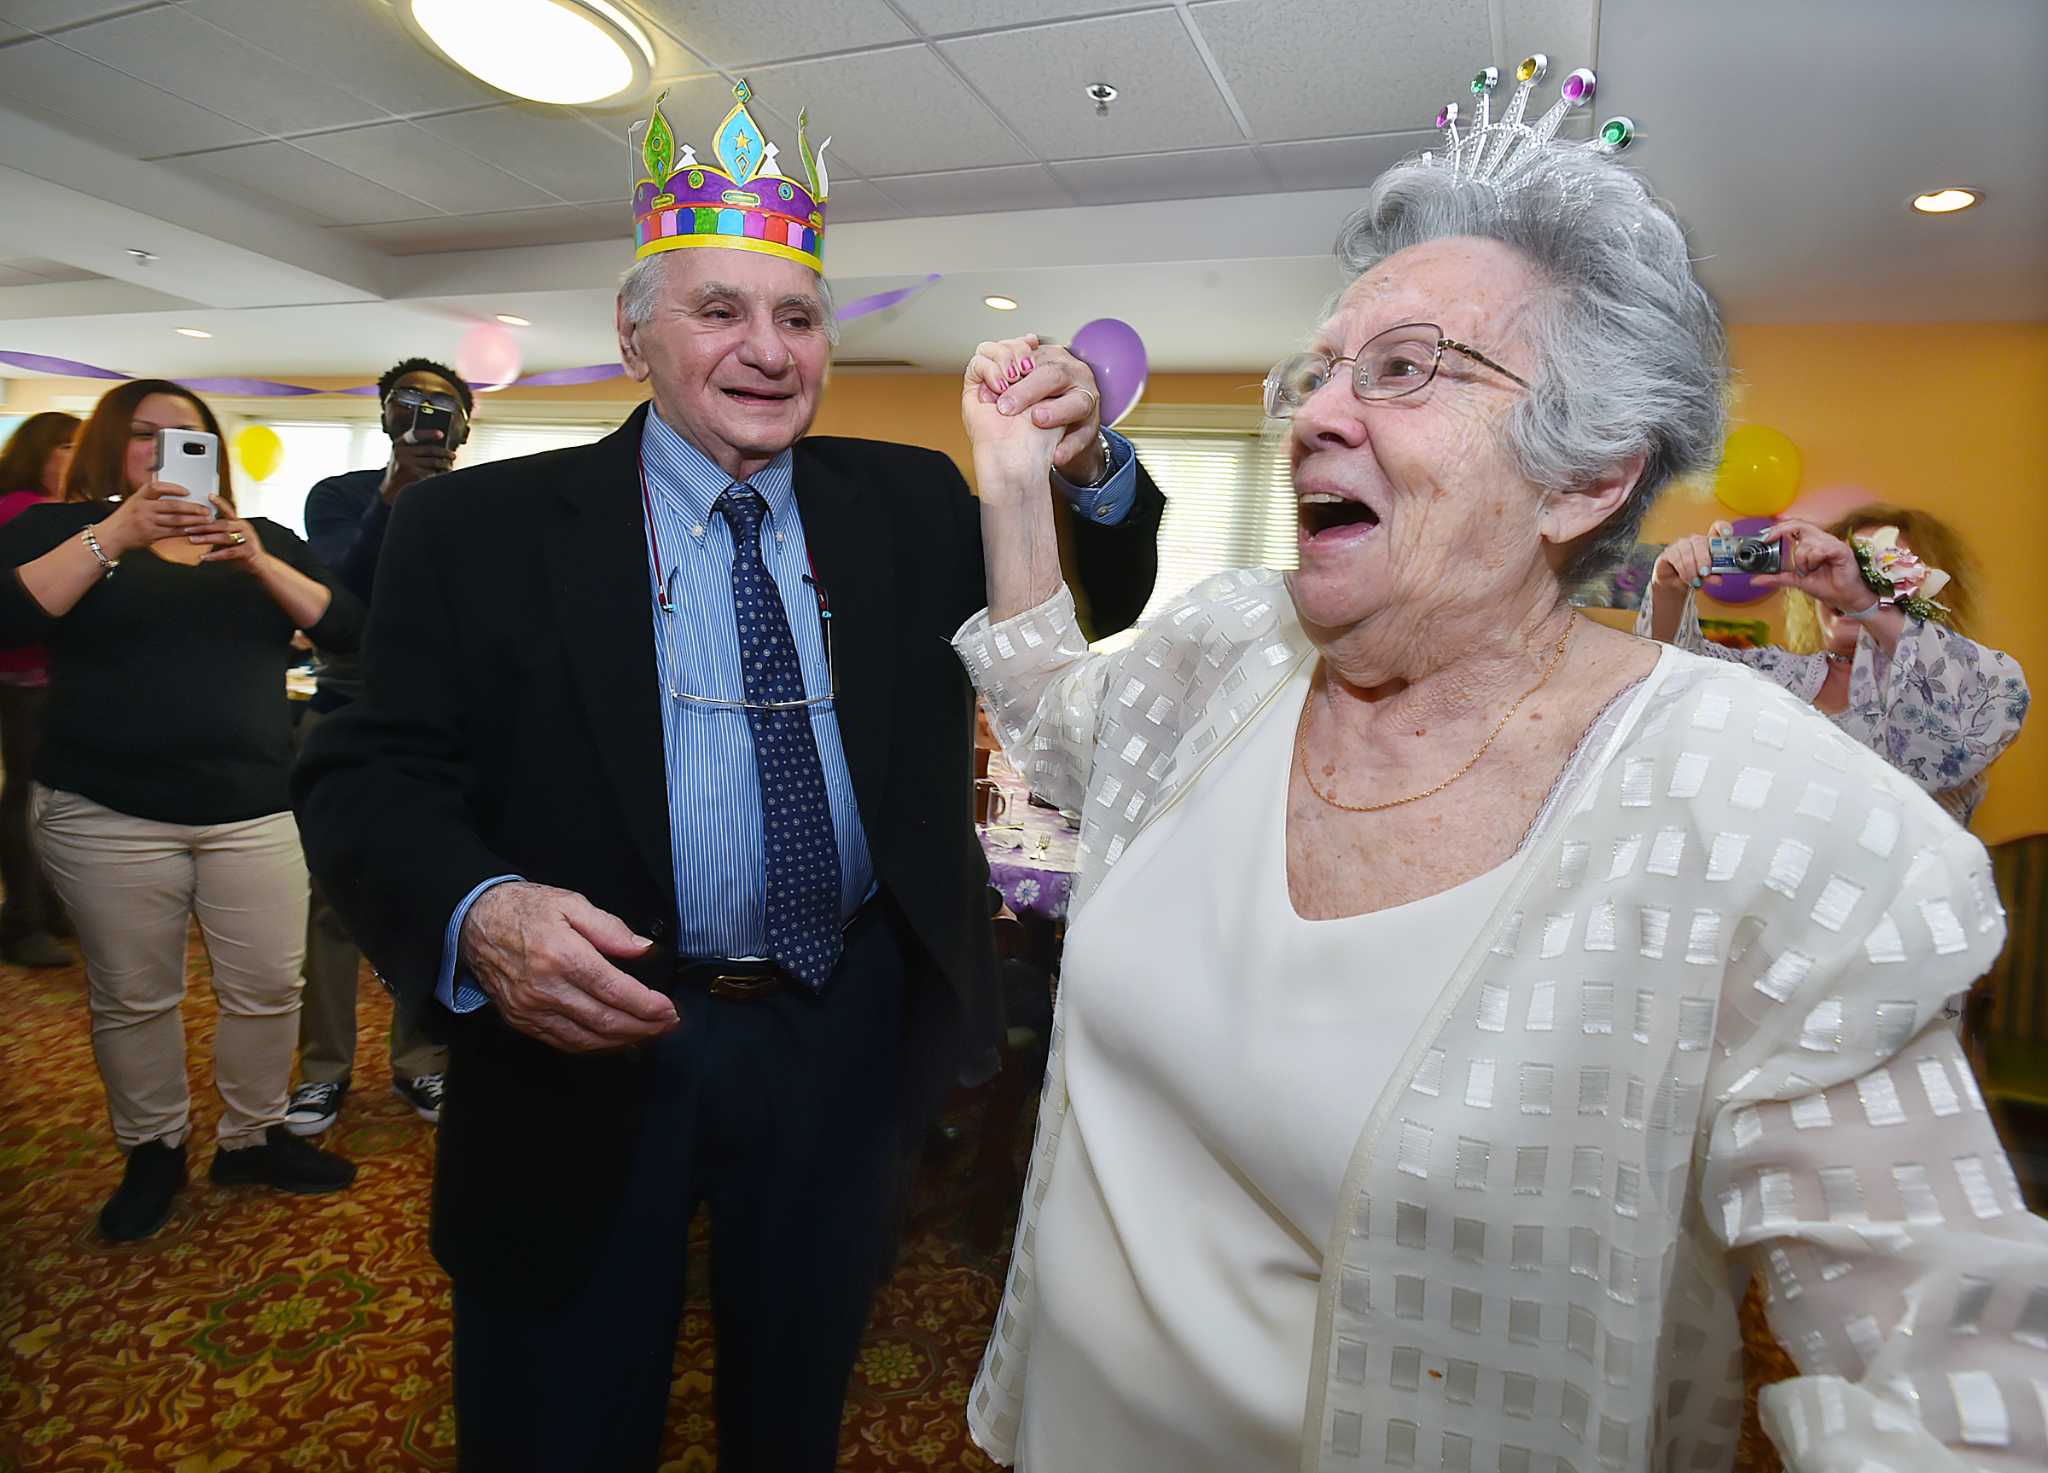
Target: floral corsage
[[1897, 577]]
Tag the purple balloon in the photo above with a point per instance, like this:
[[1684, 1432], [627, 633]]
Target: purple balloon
[[1740, 588], [1116, 354]]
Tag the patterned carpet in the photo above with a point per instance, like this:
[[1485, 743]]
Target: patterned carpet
[[261, 1332]]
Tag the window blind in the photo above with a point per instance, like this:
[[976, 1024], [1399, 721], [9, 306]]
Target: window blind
[[1229, 504]]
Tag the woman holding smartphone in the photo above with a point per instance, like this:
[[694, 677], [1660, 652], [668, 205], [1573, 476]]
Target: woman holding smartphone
[[161, 789]]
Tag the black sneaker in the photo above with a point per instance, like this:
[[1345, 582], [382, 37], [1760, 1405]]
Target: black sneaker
[[142, 1203], [313, 1107], [423, 1092], [37, 949], [282, 1161]]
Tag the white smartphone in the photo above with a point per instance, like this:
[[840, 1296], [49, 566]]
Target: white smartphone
[[190, 460]]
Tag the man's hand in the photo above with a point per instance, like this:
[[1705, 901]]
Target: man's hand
[[1059, 390], [415, 461], [540, 954]]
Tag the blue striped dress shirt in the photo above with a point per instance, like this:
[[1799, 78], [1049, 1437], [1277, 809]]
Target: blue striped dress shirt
[[714, 796]]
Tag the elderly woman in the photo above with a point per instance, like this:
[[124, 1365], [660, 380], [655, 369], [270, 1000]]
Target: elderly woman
[[1917, 691], [1462, 999]]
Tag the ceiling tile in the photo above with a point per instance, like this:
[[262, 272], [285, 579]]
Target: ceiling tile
[[1342, 67], [856, 199], [360, 46], [45, 15], [95, 100], [1034, 78], [279, 174], [869, 103], [1341, 163], [950, 17], [560, 152], [977, 191], [555, 225], [198, 62], [1196, 175], [733, 33], [403, 157], [1564, 30]]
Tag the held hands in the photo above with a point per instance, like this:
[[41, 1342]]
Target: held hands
[[157, 511], [415, 460], [1033, 406], [540, 954]]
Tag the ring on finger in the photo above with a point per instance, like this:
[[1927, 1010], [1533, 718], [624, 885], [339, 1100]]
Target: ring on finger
[[237, 538]]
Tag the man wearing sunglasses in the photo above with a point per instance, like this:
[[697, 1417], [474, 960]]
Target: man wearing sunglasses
[[426, 408]]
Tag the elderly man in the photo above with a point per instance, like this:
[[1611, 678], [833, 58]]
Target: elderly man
[[659, 805]]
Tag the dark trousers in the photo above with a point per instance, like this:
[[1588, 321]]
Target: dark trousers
[[780, 1115], [30, 902]]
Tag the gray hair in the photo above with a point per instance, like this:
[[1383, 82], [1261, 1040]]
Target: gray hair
[[1630, 356], [640, 289]]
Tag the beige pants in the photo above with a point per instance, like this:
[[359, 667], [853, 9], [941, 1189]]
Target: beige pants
[[131, 884]]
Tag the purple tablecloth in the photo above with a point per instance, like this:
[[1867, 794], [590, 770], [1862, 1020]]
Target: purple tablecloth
[[1031, 853]]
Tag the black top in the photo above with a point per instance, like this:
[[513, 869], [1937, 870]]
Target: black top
[[167, 682], [345, 520]]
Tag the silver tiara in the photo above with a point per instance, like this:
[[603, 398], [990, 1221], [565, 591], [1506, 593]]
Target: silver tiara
[[1496, 151]]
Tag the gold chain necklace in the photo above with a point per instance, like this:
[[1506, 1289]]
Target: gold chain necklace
[[1321, 677]]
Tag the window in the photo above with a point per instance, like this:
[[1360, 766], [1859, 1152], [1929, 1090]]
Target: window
[[1229, 502]]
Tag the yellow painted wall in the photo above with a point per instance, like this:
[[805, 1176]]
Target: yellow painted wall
[[1946, 417]]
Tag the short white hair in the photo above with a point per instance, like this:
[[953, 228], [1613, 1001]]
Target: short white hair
[[640, 289]]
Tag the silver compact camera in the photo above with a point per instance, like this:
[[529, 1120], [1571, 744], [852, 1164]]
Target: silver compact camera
[[1744, 555]]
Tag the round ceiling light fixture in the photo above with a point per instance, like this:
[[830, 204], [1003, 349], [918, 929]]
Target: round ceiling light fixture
[[511, 319], [1001, 304], [192, 332], [558, 51], [1945, 201]]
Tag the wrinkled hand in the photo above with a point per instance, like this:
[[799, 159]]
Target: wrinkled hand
[[229, 539], [414, 461], [539, 953], [1820, 565], [1024, 374], [1684, 563], [157, 511]]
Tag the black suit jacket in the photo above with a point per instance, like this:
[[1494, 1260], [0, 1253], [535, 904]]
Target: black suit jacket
[[512, 726]]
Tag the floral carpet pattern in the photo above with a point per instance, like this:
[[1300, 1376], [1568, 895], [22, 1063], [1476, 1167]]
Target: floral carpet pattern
[[260, 1332]]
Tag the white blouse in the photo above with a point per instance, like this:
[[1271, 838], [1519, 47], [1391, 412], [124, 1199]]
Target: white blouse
[[1222, 1054], [1696, 1038]]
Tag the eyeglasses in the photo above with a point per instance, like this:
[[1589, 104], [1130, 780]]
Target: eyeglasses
[[716, 703], [1392, 365]]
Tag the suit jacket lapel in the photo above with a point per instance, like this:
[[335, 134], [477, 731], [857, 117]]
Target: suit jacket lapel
[[846, 530], [597, 560]]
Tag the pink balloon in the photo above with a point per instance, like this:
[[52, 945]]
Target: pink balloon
[[488, 356], [1829, 502], [1116, 354]]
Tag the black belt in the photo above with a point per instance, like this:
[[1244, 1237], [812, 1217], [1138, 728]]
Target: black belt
[[752, 979]]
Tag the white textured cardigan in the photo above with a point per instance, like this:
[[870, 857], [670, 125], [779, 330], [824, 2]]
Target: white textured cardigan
[[1698, 1037]]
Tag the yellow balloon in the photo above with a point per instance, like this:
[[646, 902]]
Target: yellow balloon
[[1759, 474], [259, 451]]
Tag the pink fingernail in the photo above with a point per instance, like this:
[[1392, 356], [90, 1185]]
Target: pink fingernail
[[1027, 365]]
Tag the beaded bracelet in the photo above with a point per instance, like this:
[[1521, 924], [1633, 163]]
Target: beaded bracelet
[[107, 564]]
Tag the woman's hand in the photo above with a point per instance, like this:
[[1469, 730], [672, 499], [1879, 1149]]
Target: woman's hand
[[1685, 562], [1819, 565], [232, 540], [1013, 452], [157, 511]]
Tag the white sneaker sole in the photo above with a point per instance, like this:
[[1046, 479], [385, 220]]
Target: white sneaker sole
[[317, 1126]]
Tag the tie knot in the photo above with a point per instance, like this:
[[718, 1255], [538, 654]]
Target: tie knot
[[744, 509]]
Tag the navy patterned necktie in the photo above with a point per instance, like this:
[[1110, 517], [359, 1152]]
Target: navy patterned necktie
[[798, 846]]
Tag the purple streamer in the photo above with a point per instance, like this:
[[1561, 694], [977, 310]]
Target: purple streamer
[[263, 388]]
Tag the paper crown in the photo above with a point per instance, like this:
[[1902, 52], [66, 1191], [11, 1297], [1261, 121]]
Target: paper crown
[[748, 204], [1496, 151]]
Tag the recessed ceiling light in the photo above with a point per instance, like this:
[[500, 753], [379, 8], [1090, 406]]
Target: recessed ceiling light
[[513, 320], [1945, 201], [192, 332], [560, 51], [1001, 304]]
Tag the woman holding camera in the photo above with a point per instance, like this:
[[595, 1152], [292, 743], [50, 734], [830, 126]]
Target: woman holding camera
[[161, 791], [1916, 690]]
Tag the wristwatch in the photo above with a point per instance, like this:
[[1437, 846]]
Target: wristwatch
[[1108, 464]]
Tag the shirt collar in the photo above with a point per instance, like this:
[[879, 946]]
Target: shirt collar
[[689, 482]]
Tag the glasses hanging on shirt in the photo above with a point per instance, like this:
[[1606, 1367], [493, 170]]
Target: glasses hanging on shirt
[[719, 703]]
